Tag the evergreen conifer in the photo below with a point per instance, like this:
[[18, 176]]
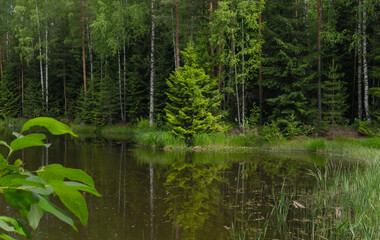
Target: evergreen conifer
[[193, 99]]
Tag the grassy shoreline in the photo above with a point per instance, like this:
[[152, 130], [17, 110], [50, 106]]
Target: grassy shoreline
[[364, 148]]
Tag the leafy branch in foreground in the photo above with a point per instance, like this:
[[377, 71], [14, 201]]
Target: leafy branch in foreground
[[29, 192]]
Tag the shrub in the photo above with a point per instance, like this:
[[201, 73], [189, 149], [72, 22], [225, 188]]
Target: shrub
[[271, 132]]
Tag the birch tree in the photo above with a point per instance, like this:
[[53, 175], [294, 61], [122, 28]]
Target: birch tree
[[151, 107], [365, 66]]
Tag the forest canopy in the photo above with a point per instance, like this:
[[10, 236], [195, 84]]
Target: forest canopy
[[106, 61]]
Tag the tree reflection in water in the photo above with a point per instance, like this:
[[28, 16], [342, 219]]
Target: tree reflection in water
[[193, 196]]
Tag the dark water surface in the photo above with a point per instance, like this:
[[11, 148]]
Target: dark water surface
[[151, 194]]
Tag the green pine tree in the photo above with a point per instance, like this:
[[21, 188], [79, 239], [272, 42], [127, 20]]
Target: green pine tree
[[334, 98], [193, 99]]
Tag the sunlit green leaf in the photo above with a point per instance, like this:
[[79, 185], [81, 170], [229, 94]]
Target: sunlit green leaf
[[53, 126], [72, 199], [56, 211], [83, 187], [31, 140], [17, 163], [34, 215], [13, 226], [6, 181], [57, 172], [21, 181], [4, 144], [6, 237], [3, 162]]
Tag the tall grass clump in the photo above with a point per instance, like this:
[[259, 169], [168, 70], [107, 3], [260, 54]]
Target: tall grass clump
[[316, 145], [371, 143], [347, 202]]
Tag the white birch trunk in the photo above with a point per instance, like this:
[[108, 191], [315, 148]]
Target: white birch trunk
[[151, 108], [235, 75], [46, 60], [365, 66], [40, 53], [360, 63]]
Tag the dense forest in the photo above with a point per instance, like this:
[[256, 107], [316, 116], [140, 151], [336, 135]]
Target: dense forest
[[108, 61]]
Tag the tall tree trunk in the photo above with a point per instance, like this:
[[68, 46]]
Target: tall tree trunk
[[174, 45], [1, 59], [64, 82], [84, 54], [46, 60], [365, 66], [211, 43], [319, 48], [296, 15], [219, 50], [22, 89], [177, 36], [360, 62], [120, 86], [1, 50], [40, 54], [152, 67], [125, 83], [89, 43], [260, 71], [235, 71], [242, 77]]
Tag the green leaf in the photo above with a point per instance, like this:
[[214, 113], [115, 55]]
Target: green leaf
[[3, 162], [21, 181], [31, 140], [72, 199], [12, 225], [56, 211], [6, 237], [34, 215], [21, 200], [5, 144], [82, 187], [57, 172], [53, 126], [17, 135], [7, 180], [17, 163]]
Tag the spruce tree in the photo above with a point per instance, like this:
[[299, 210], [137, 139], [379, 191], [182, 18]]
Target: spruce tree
[[334, 98], [193, 99]]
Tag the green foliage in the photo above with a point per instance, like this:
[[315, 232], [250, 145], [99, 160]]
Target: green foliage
[[254, 115], [9, 98], [371, 142], [271, 132], [316, 145], [142, 124], [334, 98], [194, 195], [193, 100], [30, 192], [368, 129], [292, 126]]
